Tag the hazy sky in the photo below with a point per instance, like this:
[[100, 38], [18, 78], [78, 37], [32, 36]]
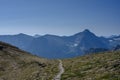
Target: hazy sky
[[59, 17]]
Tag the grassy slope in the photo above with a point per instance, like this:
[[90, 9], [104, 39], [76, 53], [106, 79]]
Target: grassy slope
[[101, 66], [19, 65]]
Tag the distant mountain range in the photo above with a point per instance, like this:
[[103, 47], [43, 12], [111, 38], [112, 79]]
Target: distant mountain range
[[52, 46]]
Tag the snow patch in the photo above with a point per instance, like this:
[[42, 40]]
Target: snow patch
[[75, 45], [110, 40]]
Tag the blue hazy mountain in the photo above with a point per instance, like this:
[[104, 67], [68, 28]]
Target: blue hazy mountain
[[114, 40], [20, 40], [52, 46]]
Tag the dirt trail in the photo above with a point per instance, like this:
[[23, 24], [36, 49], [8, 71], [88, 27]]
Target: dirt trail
[[61, 71]]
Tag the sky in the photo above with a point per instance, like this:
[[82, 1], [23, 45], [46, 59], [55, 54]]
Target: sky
[[59, 17]]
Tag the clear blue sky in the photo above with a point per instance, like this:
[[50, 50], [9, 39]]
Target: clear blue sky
[[59, 17]]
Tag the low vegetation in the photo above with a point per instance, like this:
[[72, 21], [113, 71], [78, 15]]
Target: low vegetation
[[101, 66], [16, 64]]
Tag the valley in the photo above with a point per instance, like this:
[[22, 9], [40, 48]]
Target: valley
[[16, 64], [59, 39]]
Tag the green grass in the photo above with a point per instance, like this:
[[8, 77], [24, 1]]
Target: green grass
[[100, 66]]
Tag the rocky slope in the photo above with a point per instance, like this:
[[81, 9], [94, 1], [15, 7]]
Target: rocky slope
[[16, 64]]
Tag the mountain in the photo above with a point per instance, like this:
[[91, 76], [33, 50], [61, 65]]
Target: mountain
[[36, 35], [114, 40], [100, 66], [52, 46], [49, 46], [16, 64], [20, 40], [86, 40], [116, 48], [97, 50]]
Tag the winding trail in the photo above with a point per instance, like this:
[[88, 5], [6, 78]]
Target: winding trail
[[61, 71]]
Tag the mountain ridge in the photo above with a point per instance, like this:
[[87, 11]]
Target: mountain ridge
[[53, 46]]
